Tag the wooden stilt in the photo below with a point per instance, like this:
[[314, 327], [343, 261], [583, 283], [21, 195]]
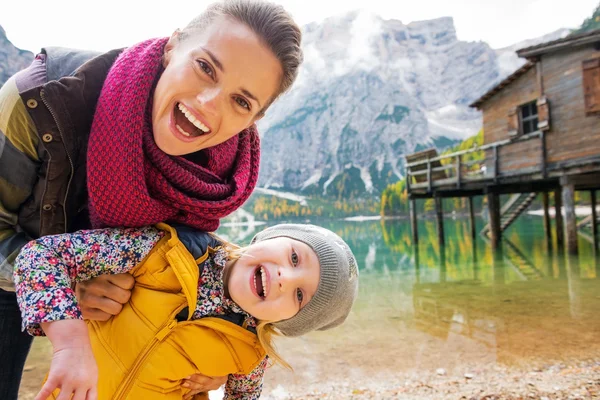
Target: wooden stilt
[[498, 265], [439, 212], [494, 214], [570, 221], [443, 269], [547, 224], [413, 221], [415, 248], [560, 232], [472, 218], [594, 221]]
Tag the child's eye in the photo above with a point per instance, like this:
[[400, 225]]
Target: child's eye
[[242, 103], [204, 66], [299, 295], [294, 258]]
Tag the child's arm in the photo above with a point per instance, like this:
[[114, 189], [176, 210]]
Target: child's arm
[[46, 269], [246, 387]]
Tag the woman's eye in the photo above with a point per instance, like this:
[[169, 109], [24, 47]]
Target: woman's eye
[[242, 103], [206, 68], [299, 295], [294, 258]]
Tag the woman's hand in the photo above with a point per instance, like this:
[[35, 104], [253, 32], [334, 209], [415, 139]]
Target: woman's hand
[[199, 383], [73, 369], [102, 297]]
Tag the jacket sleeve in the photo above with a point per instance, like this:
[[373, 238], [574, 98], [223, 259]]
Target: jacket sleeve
[[19, 165], [46, 268], [246, 387]]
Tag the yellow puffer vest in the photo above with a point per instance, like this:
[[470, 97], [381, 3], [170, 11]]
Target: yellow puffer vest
[[145, 352]]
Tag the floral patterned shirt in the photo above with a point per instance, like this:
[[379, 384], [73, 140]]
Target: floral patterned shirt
[[47, 268]]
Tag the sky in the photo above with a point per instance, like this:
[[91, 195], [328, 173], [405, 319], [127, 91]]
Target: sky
[[106, 24]]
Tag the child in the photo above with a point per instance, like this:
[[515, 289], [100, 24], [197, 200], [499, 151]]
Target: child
[[198, 305]]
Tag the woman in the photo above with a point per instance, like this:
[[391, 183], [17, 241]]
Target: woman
[[161, 131]]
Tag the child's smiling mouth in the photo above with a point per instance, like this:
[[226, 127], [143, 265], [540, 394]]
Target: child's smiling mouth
[[260, 282]]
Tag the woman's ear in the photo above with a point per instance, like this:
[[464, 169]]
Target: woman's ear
[[170, 46]]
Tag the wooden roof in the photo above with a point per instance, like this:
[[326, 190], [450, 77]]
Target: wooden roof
[[579, 39], [533, 52], [528, 65]]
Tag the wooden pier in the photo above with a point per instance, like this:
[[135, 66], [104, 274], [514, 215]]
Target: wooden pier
[[541, 136]]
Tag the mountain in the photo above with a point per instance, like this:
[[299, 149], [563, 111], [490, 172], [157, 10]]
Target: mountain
[[369, 92], [12, 59], [508, 61]]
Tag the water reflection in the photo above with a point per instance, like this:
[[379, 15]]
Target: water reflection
[[427, 307]]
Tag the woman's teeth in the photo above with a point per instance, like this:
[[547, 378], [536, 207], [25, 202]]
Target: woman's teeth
[[192, 119]]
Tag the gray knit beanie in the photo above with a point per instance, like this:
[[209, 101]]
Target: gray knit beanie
[[338, 283]]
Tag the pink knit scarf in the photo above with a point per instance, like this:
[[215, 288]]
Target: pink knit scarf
[[131, 182]]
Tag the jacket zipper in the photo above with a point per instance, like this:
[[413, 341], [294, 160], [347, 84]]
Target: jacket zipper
[[43, 96], [163, 332]]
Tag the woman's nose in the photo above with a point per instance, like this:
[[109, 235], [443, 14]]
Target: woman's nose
[[209, 98]]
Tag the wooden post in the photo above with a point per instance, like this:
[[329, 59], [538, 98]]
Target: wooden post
[[496, 164], [472, 218], [560, 232], [544, 160], [570, 221], [415, 248], [498, 265], [494, 213], [547, 224], [414, 227], [439, 212], [443, 269], [594, 221], [429, 184], [458, 172]]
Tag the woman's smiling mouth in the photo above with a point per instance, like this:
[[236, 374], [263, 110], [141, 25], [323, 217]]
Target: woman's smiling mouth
[[187, 124]]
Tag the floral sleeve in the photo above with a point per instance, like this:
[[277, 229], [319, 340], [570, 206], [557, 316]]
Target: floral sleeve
[[46, 268], [246, 387]]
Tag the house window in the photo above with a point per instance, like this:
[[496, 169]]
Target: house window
[[528, 117], [591, 85]]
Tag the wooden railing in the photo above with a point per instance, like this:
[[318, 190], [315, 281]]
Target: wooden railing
[[454, 171]]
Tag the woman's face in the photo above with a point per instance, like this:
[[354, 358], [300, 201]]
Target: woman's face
[[215, 84]]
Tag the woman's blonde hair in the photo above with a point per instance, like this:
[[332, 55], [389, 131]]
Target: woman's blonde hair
[[265, 329], [270, 22]]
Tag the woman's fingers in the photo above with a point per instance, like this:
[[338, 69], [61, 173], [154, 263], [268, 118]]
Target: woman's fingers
[[203, 383]]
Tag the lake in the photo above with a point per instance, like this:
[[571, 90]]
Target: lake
[[439, 322], [447, 312]]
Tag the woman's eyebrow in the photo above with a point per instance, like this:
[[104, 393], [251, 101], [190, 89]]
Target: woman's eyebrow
[[214, 59], [219, 65], [251, 96]]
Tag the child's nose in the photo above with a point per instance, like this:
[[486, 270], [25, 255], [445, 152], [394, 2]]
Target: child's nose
[[283, 279], [286, 278]]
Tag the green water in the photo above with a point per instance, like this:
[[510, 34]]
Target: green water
[[456, 307]]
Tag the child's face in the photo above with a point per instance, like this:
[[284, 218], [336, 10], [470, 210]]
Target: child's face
[[274, 278], [214, 85]]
